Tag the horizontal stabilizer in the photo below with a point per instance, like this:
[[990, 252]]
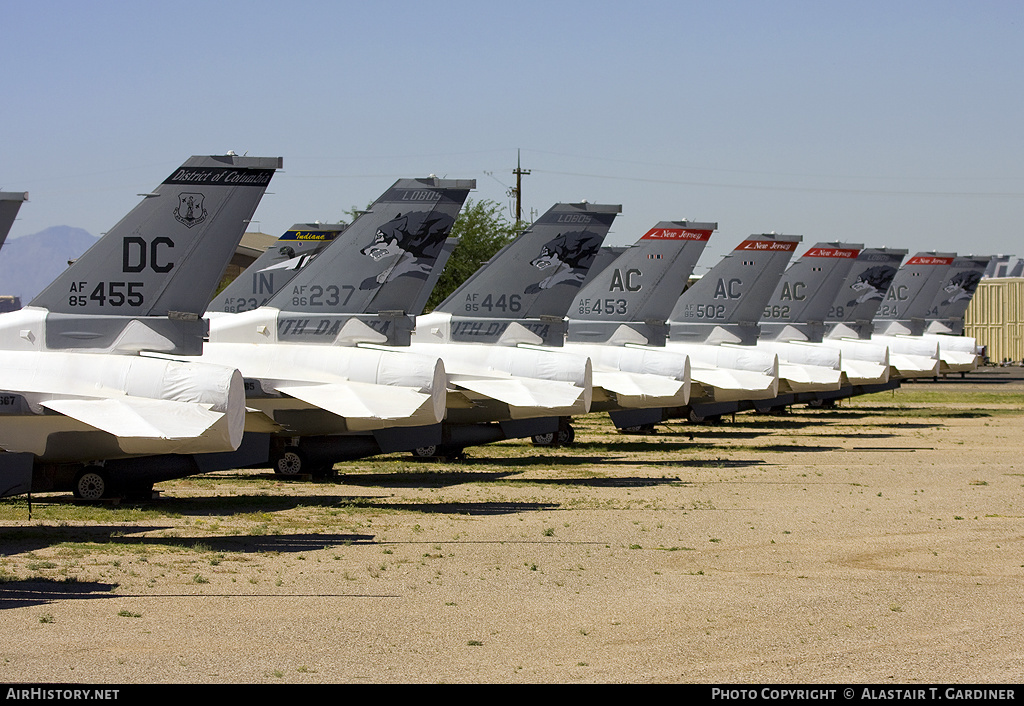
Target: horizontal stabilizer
[[521, 392], [736, 384], [355, 400], [257, 422], [863, 372], [957, 357], [914, 365], [638, 384], [139, 417], [816, 376]]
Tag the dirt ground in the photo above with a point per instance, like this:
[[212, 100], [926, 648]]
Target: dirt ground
[[877, 543]]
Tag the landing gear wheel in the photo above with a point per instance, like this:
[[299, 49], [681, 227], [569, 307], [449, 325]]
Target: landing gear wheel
[[430, 451], [90, 485], [547, 439], [566, 435], [291, 462], [441, 453], [696, 418], [639, 429]]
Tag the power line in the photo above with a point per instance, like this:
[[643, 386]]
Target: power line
[[810, 189]]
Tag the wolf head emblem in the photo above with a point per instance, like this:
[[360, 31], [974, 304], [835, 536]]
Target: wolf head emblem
[[872, 283], [961, 286], [570, 255], [419, 234], [415, 237]]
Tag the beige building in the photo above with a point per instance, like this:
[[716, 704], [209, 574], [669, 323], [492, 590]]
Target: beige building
[[995, 318], [251, 247]]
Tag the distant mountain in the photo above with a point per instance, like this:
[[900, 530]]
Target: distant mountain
[[29, 263]]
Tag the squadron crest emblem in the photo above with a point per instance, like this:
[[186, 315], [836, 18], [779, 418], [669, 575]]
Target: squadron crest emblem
[[190, 210]]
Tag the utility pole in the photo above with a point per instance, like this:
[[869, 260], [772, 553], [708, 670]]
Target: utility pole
[[517, 191]]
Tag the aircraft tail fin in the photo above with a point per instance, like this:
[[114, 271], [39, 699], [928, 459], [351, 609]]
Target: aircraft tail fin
[[379, 269], [161, 263], [954, 296], [535, 276], [10, 202], [276, 267], [538, 272], [641, 285], [725, 304], [801, 301], [862, 291], [910, 296], [434, 275]]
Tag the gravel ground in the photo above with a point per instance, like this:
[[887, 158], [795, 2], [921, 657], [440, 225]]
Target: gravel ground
[[877, 543]]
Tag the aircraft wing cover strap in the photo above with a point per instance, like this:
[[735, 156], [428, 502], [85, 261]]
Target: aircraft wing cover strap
[[360, 400], [522, 392], [138, 417]]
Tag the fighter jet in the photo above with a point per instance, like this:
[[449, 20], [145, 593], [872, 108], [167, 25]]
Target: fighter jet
[[15, 468], [945, 318], [900, 319], [848, 326], [77, 391], [501, 333], [802, 368], [618, 319], [311, 326]]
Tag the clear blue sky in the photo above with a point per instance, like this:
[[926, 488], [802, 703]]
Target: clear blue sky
[[888, 123]]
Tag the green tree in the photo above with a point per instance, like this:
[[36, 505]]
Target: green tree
[[482, 229]]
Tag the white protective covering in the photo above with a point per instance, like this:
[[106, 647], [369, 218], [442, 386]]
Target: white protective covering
[[369, 387], [805, 366], [730, 373], [863, 362], [532, 381], [911, 356], [958, 354], [152, 406], [639, 377]]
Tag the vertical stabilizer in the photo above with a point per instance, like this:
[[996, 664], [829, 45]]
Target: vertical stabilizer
[[434, 276], [946, 314], [801, 302], [146, 283], [605, 256], [910, 296], [639, 288], [533, 278], [276, 267], [725, 305], [538, 273], [861, 293], [378, 271], [10, 202]]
